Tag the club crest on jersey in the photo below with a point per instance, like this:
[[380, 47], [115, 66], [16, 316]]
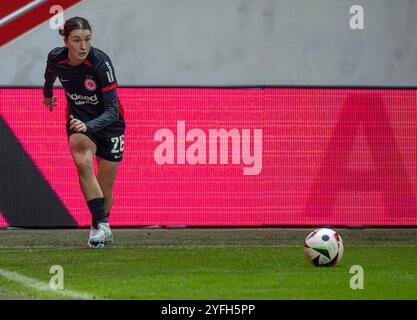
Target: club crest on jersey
[[90, 84]]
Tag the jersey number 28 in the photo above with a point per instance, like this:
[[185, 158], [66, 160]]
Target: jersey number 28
[[118, 144]]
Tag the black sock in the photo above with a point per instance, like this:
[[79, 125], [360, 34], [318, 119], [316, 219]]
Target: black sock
[[96, 207]]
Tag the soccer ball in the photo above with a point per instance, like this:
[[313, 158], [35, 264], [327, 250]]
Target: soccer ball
[[323, 247]]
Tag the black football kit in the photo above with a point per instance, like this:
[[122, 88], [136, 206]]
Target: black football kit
[[90, 90]]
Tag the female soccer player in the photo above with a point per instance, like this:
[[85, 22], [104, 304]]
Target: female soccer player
[[95, 121]]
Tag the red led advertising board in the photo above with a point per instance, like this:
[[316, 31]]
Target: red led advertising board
[[240, 157]]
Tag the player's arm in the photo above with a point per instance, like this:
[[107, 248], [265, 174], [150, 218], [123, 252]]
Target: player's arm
[[110, 114], [50, 76], [108, 83]]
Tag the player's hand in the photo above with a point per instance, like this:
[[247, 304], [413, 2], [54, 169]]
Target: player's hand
[[78, 125], [50, 103]]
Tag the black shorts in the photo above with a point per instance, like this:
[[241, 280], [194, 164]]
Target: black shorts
[[109, 145]]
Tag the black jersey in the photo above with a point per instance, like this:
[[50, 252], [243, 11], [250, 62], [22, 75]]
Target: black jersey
[[90, 89]]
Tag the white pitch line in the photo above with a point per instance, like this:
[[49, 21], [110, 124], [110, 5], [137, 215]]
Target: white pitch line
[[43, 286]]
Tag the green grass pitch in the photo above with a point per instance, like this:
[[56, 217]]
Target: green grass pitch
[[206, 264]]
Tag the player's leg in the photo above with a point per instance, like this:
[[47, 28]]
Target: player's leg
[[106, 175], [82, 150], [109, 154]]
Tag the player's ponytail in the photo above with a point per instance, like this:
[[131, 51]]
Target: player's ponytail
[[74, 23]]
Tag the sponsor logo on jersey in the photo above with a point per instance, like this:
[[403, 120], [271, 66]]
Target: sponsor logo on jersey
[[90, 84], [80, 99]]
